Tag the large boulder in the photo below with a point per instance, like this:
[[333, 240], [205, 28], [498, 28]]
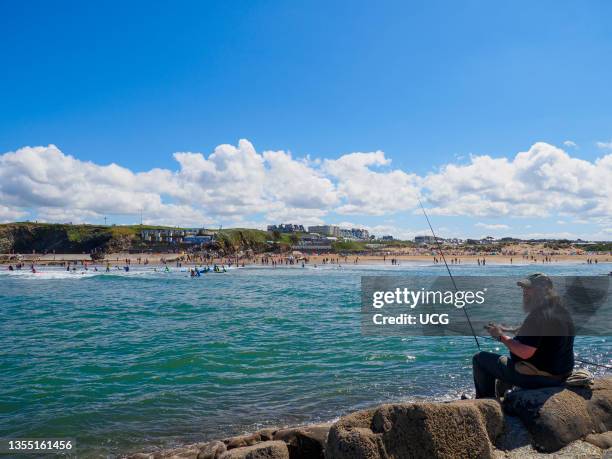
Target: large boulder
[[557, 416], [306, 442], [418, 430], [263, 450]]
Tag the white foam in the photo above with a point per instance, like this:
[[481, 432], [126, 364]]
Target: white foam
[[49, 274]]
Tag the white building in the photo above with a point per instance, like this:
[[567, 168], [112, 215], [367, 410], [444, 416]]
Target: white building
[[424, 240], [325, 230]]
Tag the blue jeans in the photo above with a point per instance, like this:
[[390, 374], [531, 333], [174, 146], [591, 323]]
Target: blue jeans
[[487, 367]]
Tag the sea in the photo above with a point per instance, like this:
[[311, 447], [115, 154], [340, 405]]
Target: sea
[[132, 361]]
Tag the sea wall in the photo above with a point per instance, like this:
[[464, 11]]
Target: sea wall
[[559, 422]]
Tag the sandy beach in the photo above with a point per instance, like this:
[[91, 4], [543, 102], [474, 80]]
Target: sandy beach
[[452, 257]]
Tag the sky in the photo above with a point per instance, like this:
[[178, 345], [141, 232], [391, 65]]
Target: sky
[[495, 114]]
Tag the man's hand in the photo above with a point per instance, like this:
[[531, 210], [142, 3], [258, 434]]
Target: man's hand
[[522, 350], [494, 330]]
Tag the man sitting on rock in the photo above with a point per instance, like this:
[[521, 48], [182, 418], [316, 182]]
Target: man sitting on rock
[[541, 353]]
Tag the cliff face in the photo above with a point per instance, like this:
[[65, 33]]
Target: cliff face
[[28, 237]]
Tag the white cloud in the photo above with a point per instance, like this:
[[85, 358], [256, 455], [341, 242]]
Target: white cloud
[[281, 213], [550, 235], [232, 182], [542, 181], [8, 214], [229, 182], [297, 184], [46, 179], [570, 144], [604, 145], [368, 192], [239, 184], [488, 226]]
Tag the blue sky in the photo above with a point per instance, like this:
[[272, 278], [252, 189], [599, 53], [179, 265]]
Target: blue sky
[[427, 83]]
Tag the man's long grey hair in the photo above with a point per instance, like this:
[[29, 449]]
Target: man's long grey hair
[[542, 298]]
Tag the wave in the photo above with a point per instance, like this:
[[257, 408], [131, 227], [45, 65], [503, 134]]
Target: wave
[[47, 273]]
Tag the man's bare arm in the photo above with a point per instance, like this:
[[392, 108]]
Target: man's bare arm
[[517, 348]]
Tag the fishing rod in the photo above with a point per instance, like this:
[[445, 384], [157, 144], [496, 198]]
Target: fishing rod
[[586, 362], [449, 272]]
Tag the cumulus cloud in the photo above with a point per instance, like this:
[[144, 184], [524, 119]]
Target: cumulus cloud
[[570, 144], [60, 187], [542, 181], [366, 191], [236, 183], [604, 145], [297, 184], [230, 181]]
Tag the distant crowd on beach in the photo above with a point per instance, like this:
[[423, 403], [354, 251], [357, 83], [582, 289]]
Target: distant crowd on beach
[[205, 261]]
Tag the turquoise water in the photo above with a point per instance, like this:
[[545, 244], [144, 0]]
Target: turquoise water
[[126, 361]]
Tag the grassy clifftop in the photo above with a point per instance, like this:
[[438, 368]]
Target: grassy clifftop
[[64, 238], [25, 237], [237, 239]]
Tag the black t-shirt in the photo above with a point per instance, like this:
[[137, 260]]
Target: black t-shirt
[[551, 330]]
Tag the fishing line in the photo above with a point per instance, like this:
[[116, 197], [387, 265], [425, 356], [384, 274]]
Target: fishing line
[[449, 272], [586, 362]]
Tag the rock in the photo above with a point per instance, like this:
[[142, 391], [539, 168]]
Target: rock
[[264, 450], [306, 442], [249, 439], [418, 430], [181, 453], [515, 435], [557, 416], [571, 422], [241, 441], [578, 449], [212, 450], [602, 440], [187, 452]]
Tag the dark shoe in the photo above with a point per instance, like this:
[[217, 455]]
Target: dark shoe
[[501, 389]]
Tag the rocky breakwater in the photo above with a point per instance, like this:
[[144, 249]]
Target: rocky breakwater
[[559, 422]]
